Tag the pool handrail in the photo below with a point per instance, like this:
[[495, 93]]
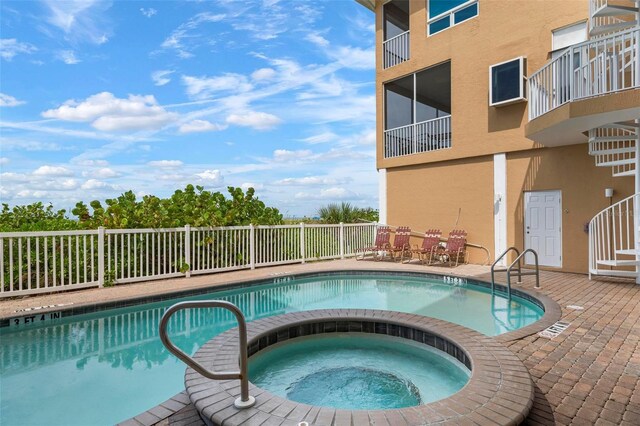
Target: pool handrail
[[245, 400], [535, 272], [494, 270]]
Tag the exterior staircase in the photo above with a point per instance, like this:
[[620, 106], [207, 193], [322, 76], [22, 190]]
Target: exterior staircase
[[610, 16], [614, 246]]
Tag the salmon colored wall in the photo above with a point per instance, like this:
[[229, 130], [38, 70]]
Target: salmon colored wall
[[572, 170], [430, 196], [503, 30]]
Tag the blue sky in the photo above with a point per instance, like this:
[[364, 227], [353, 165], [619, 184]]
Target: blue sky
[[99, 97]]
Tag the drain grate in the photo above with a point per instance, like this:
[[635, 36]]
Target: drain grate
[[554, 330]]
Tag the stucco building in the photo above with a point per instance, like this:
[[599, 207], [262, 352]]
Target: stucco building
[[517, 120]]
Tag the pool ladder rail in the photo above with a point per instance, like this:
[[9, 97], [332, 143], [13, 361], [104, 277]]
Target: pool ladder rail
[[244, 400], [518, 268]]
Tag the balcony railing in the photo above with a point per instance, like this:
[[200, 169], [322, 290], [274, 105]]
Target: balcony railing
[[592, 68], [396, 50], [430, 135]]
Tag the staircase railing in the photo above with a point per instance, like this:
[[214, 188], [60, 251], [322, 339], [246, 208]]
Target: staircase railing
[[612, 236], [592, 68]]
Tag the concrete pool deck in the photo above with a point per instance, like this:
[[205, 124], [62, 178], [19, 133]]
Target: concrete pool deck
[[589, 374]]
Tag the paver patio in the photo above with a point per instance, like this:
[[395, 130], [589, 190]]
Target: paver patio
[[589, 374]]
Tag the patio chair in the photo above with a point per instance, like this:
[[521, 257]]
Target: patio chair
[[429, 247], [455, 248], [401, 246], [381, 243]]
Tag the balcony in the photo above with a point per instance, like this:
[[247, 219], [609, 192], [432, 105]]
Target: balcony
[[426, 136], [593, 68], [417, 112], [396, 50], [395, 47], [567, 95]]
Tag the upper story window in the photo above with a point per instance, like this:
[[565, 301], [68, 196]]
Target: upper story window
[[447, 13]]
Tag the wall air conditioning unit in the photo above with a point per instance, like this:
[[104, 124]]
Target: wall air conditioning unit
[[508, 82]]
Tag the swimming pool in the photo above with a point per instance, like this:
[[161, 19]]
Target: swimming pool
[[105, 367]]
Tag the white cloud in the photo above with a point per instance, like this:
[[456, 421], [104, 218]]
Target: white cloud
[[175, 39], [160, 78], [10, 47], [64, 184], [108, 113], [9, 101], [68, 57], [102, 173], [169, 164], [284, 155], [247, 185], [4, 160], [334, 193], [206, 87], [92, 162], [80, 20], [355, 57], [94, 184], [52, 171], [200, 126], [148, 12], [255, 120], [317, 39], [14, 177], [263, 74], [320, 138], [212, 177], [312, 181]]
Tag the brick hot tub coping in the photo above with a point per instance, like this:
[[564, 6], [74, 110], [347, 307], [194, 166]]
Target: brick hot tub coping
[[499, 390]]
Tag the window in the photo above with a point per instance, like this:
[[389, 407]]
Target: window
[[507, 82], [447, 13], [419, 97]]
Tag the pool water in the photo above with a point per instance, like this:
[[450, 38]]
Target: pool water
[[108, 366], [357, 371]]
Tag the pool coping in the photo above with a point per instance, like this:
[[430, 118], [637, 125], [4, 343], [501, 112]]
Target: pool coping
[[499, 390], [552, 311]]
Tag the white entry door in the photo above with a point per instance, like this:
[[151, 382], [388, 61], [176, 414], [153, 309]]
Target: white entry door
[[543, 227]]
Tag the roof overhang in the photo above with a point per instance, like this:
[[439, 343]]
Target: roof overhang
[[369, 4]]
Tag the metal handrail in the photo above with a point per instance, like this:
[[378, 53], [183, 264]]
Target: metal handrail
[[245, 400], [493, 267], [520, 273]]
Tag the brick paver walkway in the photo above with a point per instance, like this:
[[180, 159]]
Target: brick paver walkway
[[589, 374]]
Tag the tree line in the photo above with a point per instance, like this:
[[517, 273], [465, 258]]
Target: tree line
[[192, 205]]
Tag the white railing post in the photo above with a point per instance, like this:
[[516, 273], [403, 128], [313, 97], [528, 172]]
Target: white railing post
[[302, 251], [187, 249], [341, 240], [252, 246], [100, 256]]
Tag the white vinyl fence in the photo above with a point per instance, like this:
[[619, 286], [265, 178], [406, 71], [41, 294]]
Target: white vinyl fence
[[39, 262]]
